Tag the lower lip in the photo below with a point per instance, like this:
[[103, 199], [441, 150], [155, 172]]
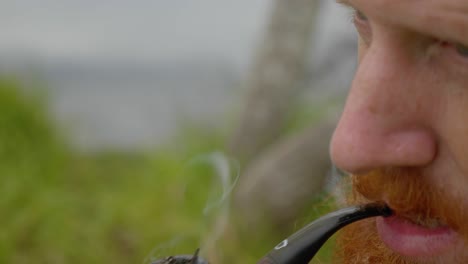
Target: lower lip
[[412, 240]]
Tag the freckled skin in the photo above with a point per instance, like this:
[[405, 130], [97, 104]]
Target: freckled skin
[[408, 102]]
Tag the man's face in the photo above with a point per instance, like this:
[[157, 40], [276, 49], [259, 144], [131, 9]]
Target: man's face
[[404, 131]]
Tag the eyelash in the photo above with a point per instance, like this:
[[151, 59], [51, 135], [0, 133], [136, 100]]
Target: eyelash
[[352, 16], [362, 27], [461, 49]]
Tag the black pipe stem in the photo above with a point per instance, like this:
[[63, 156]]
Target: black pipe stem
[[302, 246]]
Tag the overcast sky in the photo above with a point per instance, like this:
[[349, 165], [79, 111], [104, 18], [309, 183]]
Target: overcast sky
[[140, 29], [152, 29]]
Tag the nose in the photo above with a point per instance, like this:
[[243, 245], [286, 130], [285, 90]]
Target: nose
[[386, 119]]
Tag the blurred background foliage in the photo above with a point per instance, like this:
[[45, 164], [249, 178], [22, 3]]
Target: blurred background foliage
[[61, 206]]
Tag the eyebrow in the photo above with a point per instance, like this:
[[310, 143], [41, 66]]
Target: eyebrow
[[453, 28]]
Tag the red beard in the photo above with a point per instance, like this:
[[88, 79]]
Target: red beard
[[409, 194]]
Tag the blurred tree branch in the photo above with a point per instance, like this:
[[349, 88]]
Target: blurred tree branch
[[281, 175], [276, 76], [286, 177]]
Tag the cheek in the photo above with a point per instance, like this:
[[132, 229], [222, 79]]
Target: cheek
[[454, 133], [459, 134]]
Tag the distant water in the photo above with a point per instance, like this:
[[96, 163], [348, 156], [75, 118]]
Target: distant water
[[131, 107]]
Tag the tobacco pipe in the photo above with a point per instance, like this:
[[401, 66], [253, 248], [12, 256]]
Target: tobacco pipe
[[302, 246], [182, 259]]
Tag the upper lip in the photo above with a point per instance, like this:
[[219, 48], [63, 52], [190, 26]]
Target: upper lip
[[429, 222], [418, 218]]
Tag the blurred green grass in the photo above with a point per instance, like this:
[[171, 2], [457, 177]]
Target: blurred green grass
[[59, 206]]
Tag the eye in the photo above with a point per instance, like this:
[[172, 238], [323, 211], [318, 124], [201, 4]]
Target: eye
[[359, 15], [363, 26], [462, 50]]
